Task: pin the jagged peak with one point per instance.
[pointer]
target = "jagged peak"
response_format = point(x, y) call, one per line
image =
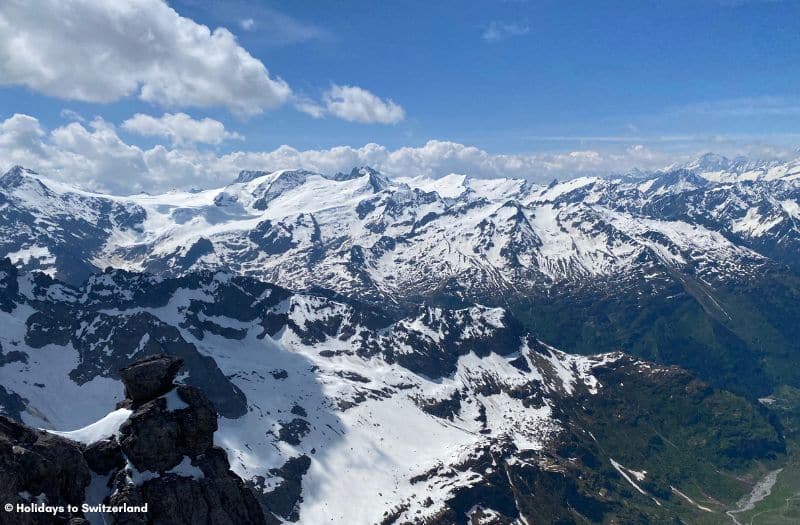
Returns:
point(294, 174)
point(249, 175)
point(678, 176)
point(18, 170)
point(377, 180)
point(355, 173)
point(16, 175)
point(283, 176)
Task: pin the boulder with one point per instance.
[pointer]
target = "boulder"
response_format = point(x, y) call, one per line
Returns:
point(156, 438)
point(197, 422)
point(169, 440)
point(104, 456)
point(150, 377)
point(150, 436)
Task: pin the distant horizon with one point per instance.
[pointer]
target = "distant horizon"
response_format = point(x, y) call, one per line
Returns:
point(753, 163)
point(187, 91)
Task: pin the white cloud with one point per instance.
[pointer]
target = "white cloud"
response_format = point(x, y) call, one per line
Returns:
point(356, 104)
point(101, 51)
point(95, 158)
point(268, 25)
point(353, 104)
point(309, 107)
point(69, 114)
point(500, 31)
point(279, 28)
point(180, 128)
point(21, 139)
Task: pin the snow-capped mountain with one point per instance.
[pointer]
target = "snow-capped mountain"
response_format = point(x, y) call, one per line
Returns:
point(332, 410)
point(712, 246)
point(364, 235)
point(384, 350)
point(718, 168)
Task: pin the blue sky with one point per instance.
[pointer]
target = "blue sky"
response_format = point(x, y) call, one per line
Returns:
point(508, 77)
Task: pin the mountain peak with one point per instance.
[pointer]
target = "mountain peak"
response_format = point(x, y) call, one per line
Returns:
point(15, 175)
point(377, 180)
point(709, 162)
point(678, 180)
point(249, 175)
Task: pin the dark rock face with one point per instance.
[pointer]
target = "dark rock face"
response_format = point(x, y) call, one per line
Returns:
point(169, 440)
point(12, 403)
point(126, 493)
point(219, 497)
point(285, 499)
point(294, 431)
point(149, 438)
point(104, 456)
point(165, 458)
point(156, 438)
point(150, 377)
point(36, 466)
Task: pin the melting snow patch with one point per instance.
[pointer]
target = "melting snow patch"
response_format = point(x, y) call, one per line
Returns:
point(626, 473)
point(690, 500)
point(174, 401)
point(99, 430)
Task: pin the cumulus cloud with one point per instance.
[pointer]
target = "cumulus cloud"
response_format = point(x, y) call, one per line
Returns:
point(356, 104)
point(96, 158)
point(69, 114)
point(180, 128)
point(21, 139)
point(496, 31)
point(309, 107)
point(100, 51)
point(353, 104)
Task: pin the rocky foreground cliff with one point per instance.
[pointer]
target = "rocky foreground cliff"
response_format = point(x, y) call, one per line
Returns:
point(153, 460)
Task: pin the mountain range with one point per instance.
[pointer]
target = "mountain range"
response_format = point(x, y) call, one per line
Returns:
point(416, 350)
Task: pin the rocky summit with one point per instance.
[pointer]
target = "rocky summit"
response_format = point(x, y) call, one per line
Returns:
point(150, 377)
point(154, 462)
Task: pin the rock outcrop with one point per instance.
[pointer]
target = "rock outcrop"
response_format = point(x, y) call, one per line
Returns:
point(162, 459)
point(150, 377)
point(38, 468)
point(172, 464)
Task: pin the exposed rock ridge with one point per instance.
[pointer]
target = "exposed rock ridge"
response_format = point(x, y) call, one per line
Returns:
point(162, 459)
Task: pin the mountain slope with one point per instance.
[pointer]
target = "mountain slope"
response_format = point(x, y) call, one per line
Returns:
point(329, 408)
point(696, 266)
